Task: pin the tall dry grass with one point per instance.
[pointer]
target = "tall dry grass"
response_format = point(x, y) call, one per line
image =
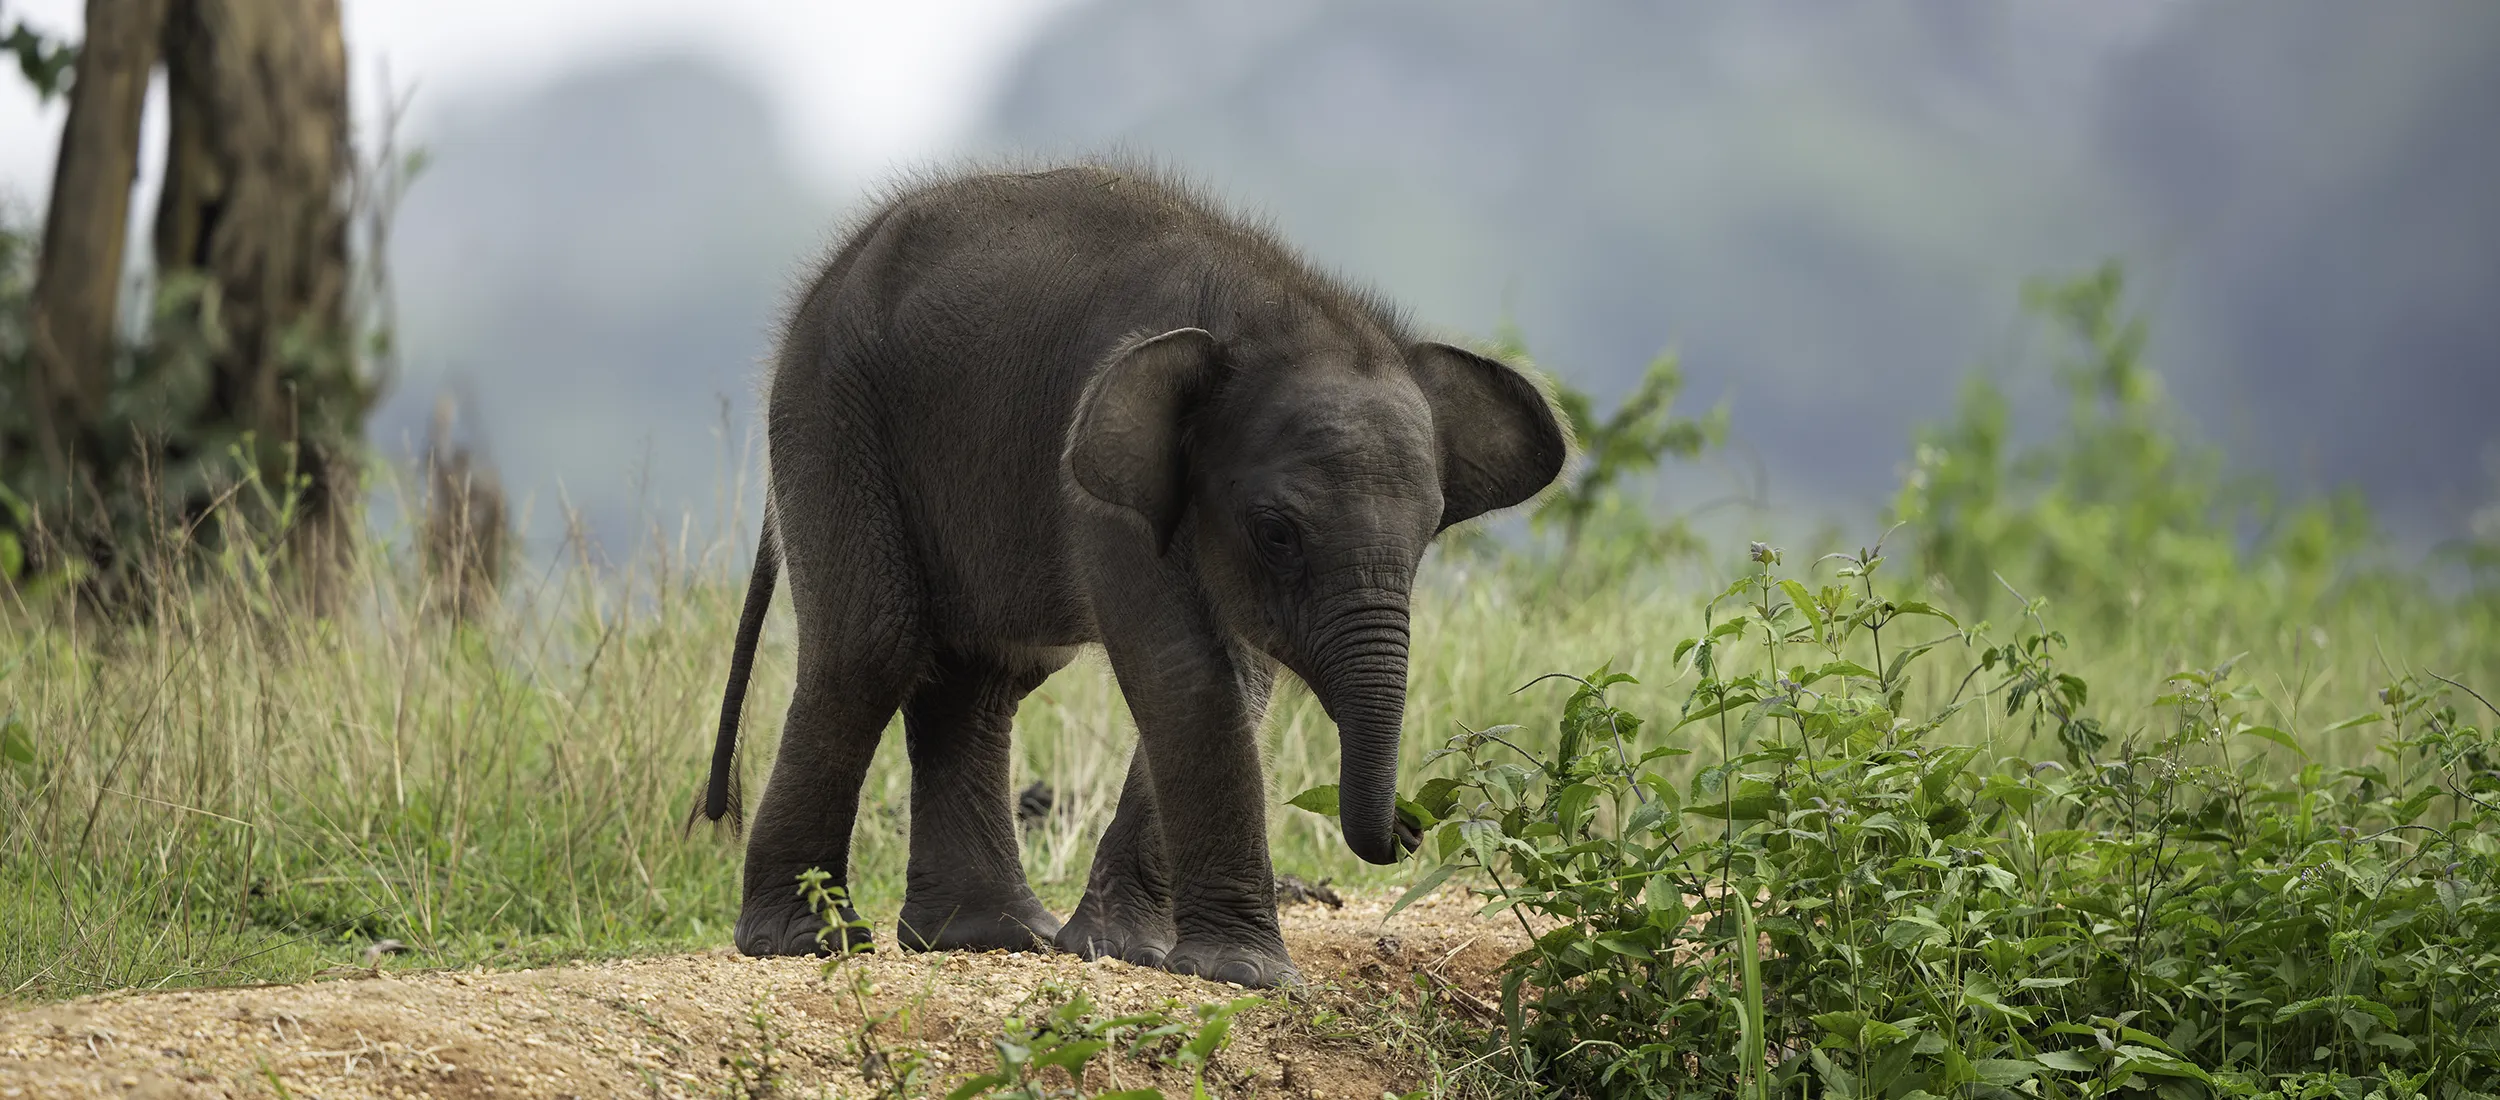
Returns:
point(230, 789)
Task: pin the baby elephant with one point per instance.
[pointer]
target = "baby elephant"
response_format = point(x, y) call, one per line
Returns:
point(1017, 414)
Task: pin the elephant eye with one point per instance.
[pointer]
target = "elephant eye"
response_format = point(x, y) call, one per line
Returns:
point(1277, 540)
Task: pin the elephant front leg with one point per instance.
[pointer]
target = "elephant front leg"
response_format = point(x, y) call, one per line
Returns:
point(1197, 717)
point(1127, 911)
point(1197, 698)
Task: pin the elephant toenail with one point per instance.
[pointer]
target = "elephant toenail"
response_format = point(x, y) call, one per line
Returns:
point(1238, 972)
point(1143, 956)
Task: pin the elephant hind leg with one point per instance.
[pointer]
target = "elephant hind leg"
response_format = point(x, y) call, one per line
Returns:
point(862, 644)
point(966, 887)
point(810, 806)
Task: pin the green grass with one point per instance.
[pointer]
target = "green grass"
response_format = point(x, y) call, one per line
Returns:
point(238, 792)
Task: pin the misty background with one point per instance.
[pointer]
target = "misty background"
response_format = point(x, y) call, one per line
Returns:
point(1827, 210)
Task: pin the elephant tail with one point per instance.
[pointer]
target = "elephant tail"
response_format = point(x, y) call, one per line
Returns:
point(721, 797)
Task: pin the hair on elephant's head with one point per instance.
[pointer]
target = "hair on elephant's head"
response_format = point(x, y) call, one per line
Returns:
point(1308, 486)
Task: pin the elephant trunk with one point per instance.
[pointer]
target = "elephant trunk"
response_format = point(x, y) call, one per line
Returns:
point(1362, 683)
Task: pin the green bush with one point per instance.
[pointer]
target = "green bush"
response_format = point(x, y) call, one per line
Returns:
point(1841, 906)
point(2118, 511)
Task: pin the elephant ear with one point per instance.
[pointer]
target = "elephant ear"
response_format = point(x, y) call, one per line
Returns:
point(1126, 448)
point(1500, 440)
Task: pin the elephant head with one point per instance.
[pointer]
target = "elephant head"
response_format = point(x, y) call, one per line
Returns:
point(1302, 480)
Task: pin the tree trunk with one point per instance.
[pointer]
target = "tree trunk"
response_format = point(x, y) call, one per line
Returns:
point(78, 275)
point(257, 178)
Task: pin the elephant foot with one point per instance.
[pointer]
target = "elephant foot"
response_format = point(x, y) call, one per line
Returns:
point(1257, 968)
point(790, 929)
point(1091, 935)
point(1022, 925)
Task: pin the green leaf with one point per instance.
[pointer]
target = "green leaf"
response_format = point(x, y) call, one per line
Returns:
point(1915, 607)
point(975, 1086)
point(2066, 1060)
point(1858, 1029)
point(1987, 999)
point(1803, 601)
point(16, 745)
point(1731, 701)
point(1843, 667)
point(1431, 881)
point(1752, 800)
point(1845, 1025)
point(1647, 816)
point(2384, 1015)
point(2004, 1072)
point(1416, 815)
point(1072, 1056)
point(1906, 933)
point(1483, 839)
point(1837, 1081)
point(1208, 1040)
point(2275, 735)
point(1626, 946)
point(1753, 1035)
point(2148, 1060)
point(1321, 800)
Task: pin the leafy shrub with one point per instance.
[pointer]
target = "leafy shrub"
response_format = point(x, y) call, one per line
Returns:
point(1641, 432)
point(1839, 906)
point(2119, 510)
point(1605, 530)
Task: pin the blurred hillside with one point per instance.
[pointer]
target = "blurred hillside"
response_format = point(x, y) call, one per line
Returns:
point(1829, 209)
point(594, 271)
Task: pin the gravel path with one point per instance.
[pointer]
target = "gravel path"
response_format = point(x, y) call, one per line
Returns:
point(688, 1025)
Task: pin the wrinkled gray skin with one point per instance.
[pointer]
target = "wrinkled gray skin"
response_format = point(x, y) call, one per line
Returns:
point(1018, 414)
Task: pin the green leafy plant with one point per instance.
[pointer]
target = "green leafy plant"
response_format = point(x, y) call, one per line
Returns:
point(1840, 904)
point(1642, 432)
point(1057, 1028)
point(1054, 1028)
point(1604, 527)
point(755, 1068)
point(2118, 514)
point(889, 1070)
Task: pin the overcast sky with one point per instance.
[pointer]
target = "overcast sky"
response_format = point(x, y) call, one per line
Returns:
point(857, 84)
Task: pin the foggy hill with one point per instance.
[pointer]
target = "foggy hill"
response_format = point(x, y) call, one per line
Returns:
point(596, 267)
point(1830, 209)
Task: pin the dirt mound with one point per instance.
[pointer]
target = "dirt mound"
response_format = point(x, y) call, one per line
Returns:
point(701, 1025)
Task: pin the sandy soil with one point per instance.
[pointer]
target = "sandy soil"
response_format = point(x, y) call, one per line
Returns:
point(674, 1026)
